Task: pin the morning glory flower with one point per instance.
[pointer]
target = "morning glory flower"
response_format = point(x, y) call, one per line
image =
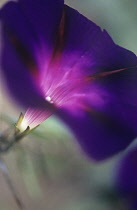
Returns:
point(56, 61)
point(126, 182)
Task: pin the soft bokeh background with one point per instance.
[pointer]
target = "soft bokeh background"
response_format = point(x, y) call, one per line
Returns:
point(47, 169)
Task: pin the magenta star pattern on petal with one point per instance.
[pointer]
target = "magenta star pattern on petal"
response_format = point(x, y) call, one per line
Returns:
point(55, 60)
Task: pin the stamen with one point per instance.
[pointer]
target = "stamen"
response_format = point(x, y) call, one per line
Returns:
point(48, 98)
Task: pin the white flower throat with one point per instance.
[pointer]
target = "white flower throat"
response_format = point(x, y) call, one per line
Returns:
point(48, 98)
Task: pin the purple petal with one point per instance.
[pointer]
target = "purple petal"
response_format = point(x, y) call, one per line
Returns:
point(126, 182)
point(44, 17)
point(21, 37)
point(15, 25)
point(133, 204)
point(106, 122)
point(19, 82)
point(127, 174)
point(99, 135)
point(74, 56)
point(88, 49)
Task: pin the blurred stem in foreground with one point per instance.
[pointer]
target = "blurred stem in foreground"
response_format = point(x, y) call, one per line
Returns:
point(8, 180)
point(11, 137)
point(8, 139)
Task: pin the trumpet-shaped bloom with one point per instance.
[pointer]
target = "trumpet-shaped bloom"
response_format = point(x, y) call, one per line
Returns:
point(55, 60)
point(127, 178)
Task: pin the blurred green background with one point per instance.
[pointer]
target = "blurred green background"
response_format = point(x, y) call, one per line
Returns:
point(47, 169)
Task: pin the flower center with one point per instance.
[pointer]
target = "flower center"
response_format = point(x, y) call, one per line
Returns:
point(48, 98)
